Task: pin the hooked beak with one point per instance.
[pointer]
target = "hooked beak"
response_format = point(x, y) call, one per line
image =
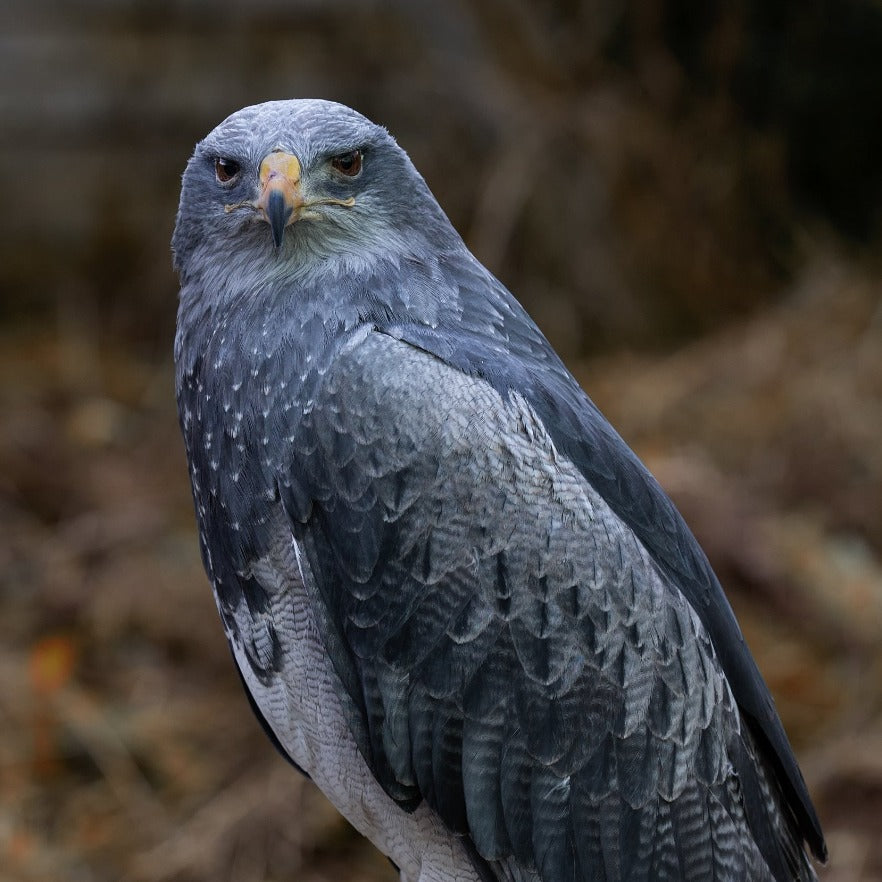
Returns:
point(281, 198)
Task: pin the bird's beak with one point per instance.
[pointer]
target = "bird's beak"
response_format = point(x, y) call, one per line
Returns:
point(281, 198)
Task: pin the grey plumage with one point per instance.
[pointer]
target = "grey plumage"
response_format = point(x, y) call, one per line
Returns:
point(457, 598)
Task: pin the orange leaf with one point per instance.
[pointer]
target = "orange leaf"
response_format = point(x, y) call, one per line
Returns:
point(51, 663)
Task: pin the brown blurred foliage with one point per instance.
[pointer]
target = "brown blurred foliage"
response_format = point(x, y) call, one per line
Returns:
point(685, 195)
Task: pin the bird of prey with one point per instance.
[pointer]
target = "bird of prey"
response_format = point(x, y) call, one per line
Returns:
point(456, 598)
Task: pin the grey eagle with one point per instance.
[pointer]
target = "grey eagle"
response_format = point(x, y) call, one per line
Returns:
point(456, 598)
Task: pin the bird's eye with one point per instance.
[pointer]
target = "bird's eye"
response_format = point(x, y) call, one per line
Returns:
point(225, 169)
point(348, 164)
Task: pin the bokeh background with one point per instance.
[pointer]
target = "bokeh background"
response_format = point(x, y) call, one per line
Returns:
point(684, 193)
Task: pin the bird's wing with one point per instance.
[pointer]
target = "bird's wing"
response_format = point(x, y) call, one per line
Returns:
point(511, 650)
point(494, 338)
point(586, 438)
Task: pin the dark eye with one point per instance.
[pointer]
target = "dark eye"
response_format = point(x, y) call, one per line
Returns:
point(225, 169)
point(348, 164)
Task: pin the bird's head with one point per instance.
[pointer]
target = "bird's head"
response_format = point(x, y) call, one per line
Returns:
point(291, 186)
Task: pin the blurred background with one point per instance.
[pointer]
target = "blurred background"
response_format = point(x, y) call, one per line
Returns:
point(686, 196)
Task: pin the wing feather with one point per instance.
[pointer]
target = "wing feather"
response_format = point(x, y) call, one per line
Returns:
point(515, 655)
